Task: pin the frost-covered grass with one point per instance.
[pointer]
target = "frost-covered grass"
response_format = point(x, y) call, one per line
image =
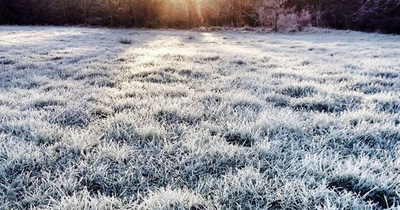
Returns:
point(165, 119)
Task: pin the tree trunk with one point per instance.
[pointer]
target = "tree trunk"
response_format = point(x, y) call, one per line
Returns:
point(1, 12)
point(189, 5)
point(276, 21)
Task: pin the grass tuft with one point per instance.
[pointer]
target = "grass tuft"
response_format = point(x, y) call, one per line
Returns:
point(181, 122)
point(125, 41)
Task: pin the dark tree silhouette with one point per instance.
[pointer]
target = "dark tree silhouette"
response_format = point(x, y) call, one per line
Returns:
point(368, 15)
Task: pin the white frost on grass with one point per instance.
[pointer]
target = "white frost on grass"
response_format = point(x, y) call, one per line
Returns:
point(166, 119)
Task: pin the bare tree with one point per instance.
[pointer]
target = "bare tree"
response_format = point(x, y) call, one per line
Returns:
point(69, 11)
point(2, 9)
point(85, 7)
point(269, 11)
point(192, 11)
point(111, 9)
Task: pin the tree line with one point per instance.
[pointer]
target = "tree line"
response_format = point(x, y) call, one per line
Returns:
point(367, 15)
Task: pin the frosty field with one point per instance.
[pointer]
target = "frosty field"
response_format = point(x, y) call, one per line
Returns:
point(165, 119)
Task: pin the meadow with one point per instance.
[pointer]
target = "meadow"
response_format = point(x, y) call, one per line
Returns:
point(94, 118)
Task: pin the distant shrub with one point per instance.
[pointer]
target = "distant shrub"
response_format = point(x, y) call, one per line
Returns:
point(125, 41)
point(288, 23)
point(276, 15)
point(212, 58)
point(239, 62)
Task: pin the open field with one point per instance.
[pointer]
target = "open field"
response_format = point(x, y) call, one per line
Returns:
point(165, 119)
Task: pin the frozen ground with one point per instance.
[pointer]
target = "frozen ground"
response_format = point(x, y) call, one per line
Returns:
point(193, 120)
